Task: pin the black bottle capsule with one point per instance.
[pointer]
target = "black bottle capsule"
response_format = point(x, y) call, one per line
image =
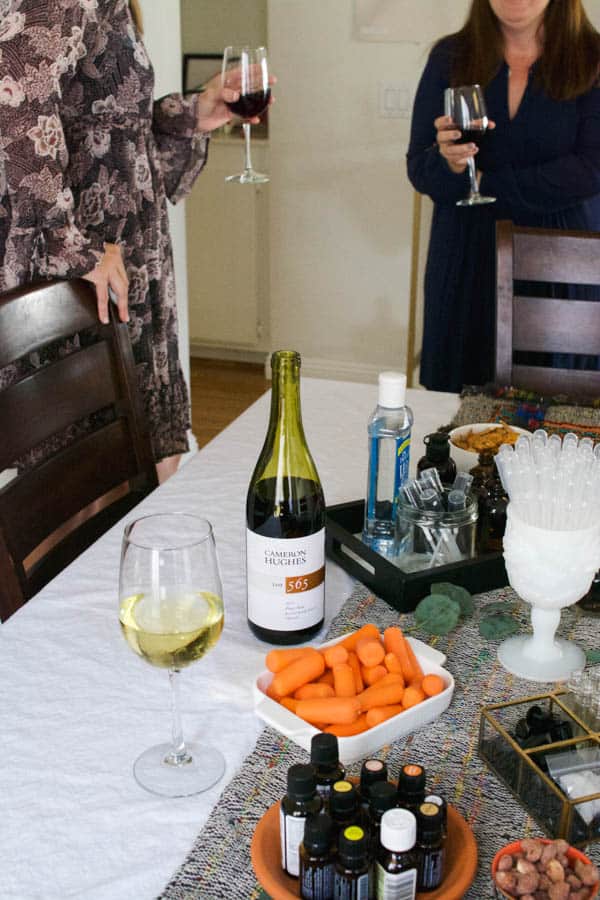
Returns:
point(316, 859)
point(430, 847)
point(439, 801)
point(352, 876)
point(382, 796)
point(324, 757)
point(372, 771)
point(344, 808)
point(437, 456)
point(300, 801)
point(411, 786)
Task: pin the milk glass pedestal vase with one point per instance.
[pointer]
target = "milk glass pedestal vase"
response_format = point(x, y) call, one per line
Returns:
point(549, 569)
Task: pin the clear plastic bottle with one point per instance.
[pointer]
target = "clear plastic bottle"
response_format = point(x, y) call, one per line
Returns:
point(389, 431)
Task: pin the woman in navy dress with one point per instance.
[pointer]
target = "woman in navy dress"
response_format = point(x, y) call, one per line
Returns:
point(539, 63)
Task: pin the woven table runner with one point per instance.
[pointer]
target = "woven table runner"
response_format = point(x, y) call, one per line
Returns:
point(527, 410)
point(218, 866)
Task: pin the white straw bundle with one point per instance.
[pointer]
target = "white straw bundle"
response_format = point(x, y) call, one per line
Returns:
point(553, 484)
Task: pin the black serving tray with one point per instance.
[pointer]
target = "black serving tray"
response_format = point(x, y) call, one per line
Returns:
point(402, 590)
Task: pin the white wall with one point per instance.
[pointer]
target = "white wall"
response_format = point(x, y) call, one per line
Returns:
point(162, 36)
point(210, 25)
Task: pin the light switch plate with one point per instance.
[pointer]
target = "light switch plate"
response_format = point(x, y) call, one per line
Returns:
point(394, 100)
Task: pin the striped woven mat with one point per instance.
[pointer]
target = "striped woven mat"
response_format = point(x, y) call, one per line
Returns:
point(218, 865)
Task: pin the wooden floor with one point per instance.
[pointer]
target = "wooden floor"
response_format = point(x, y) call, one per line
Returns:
point(220, 392)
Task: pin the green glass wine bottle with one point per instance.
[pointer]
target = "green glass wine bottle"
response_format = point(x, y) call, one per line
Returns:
point(285, 517)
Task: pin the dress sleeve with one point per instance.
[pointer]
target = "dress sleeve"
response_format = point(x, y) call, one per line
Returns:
point(558, 183)
point(182, 149)
point(37, 61)
point(427, 170)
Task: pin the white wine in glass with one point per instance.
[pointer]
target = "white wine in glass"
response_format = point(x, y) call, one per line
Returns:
point(171, 614)
point(466, 107)
point(245, 69)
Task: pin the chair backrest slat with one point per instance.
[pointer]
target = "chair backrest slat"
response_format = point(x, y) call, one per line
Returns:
point(547, 325)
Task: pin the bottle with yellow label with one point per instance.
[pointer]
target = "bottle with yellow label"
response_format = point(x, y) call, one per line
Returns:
point(285, 517)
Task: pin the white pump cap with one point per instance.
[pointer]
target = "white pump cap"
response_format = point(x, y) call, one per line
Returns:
point(392, 389)
point(398, 830)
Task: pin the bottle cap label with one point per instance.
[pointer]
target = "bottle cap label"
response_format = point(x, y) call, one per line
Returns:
point(412, 770)
point(342, 787)
point(354, 833)
point(286, 581)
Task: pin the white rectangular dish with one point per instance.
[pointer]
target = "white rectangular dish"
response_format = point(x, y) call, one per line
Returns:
point(368, 742)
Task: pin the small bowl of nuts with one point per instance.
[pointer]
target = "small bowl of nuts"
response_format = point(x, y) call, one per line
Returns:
point(540, 869)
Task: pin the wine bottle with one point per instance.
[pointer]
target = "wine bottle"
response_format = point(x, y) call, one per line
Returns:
point(285, 516)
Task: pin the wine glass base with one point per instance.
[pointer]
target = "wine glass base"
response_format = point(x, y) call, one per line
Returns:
point(517, 656)
point(154, 774)
point(248, 176)
point(475, 200)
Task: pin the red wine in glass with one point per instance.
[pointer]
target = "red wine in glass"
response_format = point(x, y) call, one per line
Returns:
point(466, 107)
point(245, 70)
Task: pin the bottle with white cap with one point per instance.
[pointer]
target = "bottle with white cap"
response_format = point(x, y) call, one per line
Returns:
point(396, 865)
point(389, 452)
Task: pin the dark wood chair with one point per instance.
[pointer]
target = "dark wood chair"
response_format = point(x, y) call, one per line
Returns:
point(110, 455)
point(537, 324)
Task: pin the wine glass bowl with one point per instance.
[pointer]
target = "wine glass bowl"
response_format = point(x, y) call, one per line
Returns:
point(171, 614)
point(245, 70)
point(466, 107)
point(549, 569)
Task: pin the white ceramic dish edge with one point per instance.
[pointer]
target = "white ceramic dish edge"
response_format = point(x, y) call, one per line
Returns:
point(366, 744)
point(466, 459)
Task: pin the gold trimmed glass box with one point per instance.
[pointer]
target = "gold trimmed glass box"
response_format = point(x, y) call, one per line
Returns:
point(524, 771)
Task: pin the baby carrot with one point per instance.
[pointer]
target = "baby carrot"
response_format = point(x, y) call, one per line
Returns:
point(326, 678)
point(372, 674)
point(395, 642)
point(335, 710)
point(313, 690)
point(348, 730)
point(370, 653)
point(380, 713)
point(271, 693)
point(276, 660)
point(391, 678)
point(367, 631)
point(335, 655)
point(412, 695)
point(415, 662)
point(383, 695)
point(355, 666)
point(392, 663)
point(289, 703)
point(298, 672)
point(432, 684)
point(343, 681)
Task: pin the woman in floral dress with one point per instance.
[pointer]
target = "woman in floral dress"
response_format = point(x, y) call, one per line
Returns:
point(87, 161)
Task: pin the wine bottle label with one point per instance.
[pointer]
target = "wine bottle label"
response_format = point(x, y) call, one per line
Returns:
point(286, 581)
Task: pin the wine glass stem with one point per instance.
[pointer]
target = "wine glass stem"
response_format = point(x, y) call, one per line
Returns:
point(248, 163)
point(473, 175)
point(179, 755)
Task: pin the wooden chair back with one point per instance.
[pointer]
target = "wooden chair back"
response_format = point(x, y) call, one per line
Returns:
point(546, 324)
point(110, 451)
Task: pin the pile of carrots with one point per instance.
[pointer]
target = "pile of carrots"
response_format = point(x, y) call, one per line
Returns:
point(353, 685)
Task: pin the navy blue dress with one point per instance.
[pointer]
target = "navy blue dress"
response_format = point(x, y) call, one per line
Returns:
point(543, 166)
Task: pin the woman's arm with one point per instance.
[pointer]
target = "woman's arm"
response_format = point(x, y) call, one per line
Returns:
point(559, 183)
point(427, 170)
point(182, 147)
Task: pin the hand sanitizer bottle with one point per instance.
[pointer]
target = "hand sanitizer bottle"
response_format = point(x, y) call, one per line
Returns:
point(389, 451)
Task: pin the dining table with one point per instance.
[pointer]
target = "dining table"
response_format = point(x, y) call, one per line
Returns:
point(77, 706)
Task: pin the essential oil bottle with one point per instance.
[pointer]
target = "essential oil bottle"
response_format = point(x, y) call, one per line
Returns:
point(411, 786)
point(382, 796)
point(324, 757)
point(316, 859)
point(372, 771)
point(396, 867)
point(430, 847)
point(439, 801)
point(344, 808)
point(300, 801)
point(352, 878)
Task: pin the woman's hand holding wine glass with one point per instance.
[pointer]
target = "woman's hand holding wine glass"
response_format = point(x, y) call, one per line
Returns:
point(245, 74)
point(460, 133)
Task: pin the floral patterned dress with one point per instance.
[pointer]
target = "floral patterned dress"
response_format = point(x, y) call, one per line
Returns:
point(86, 156)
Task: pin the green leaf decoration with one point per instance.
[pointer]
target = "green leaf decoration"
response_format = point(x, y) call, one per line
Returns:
point(437, 614)
point(593, 657)
point(497, 626)
point(458, 593)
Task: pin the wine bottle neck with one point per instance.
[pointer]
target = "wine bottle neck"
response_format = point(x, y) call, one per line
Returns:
point(286, 415)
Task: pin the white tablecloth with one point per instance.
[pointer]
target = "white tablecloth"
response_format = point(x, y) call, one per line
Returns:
point(77, 706)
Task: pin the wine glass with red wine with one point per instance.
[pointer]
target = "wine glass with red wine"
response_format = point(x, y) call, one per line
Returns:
point(466, 107)
point(245, 70)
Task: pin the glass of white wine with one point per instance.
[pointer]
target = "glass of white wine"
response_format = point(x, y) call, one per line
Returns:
point(171, 614)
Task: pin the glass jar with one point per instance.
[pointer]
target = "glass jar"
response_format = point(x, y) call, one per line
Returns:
point(429, 538)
